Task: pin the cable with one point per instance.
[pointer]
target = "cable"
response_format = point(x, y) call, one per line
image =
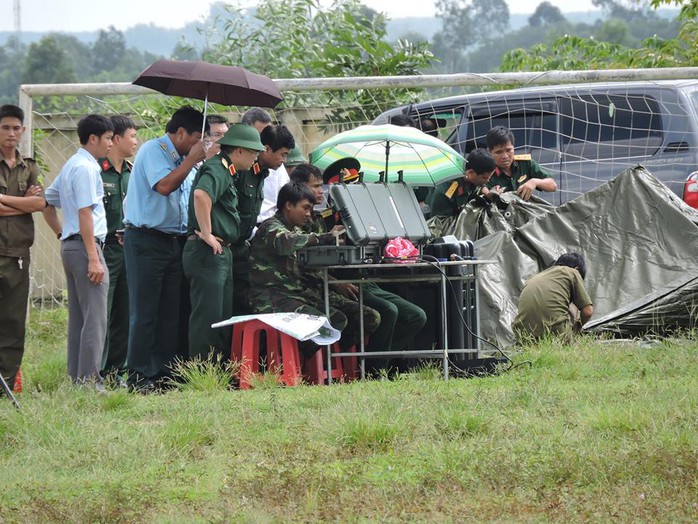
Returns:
point(434, 262)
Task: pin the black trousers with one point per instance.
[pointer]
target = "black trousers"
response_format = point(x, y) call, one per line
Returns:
point(154, 275)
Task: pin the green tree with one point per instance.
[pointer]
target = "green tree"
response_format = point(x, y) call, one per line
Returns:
point(614, 31)
point(465, 25)
point(545, 14)
point(48, 63)
point(573, 52)
point(305, 39)
point(108, 50)
point(11, 61)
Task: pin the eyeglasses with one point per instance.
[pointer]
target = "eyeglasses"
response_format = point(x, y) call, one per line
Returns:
point(216, 136)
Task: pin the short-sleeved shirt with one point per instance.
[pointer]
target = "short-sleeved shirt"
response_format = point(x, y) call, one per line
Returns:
point(115, 185)
point(216, 178)
point(17, 232)
point(185, 194)
point(250, 190)
point(523, 169)
point(146, 207)
point(77, 186)
point(450, 198)
point(545, 300)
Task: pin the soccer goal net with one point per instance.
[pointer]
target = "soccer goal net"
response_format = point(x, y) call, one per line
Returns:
point(584, 127)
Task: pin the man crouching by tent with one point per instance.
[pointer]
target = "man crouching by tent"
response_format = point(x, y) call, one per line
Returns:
point(554, 301)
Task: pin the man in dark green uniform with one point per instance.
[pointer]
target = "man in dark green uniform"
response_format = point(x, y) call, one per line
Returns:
point(449, 199)
point(279, 284)
point(213, 226)
point(20, 196)
point(277, 141)
point(554, 301)
point(115, 174)
point(518, 173)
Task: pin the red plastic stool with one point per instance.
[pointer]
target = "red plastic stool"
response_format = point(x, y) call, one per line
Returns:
point(343, 368)
point(245, 349)
point(290, 361)
point(316, 366)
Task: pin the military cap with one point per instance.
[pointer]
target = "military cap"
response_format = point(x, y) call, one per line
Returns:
point(241, 135)
point(295, 158)
point(331, 174)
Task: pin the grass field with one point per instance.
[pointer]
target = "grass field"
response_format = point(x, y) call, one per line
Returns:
point(596, 431)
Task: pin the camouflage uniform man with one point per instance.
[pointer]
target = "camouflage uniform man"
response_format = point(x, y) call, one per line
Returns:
point(400, 319)
point(279, 284)
point(214, 224)
point(115, 174)
point(449, 199)
point(277, 141)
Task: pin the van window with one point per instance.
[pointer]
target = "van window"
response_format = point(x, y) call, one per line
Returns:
point(602, 126)
point(533, 123)
point(447, 122)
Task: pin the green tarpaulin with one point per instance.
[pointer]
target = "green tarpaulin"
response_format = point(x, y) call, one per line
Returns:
point(640, 242)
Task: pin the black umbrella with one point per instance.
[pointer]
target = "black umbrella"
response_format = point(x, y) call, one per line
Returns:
point(227, 85)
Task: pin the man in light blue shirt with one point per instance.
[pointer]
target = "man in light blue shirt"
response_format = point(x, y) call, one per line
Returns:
point(78, 191)
point(155, 226)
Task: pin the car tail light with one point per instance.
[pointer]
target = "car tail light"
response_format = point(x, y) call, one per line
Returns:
point(690, 190)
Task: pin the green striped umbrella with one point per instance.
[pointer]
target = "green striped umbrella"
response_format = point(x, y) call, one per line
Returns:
point(423, 159)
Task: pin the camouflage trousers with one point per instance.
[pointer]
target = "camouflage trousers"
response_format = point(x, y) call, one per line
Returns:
point(344, 312)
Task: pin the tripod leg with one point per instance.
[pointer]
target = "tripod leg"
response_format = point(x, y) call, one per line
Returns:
point(8, 391)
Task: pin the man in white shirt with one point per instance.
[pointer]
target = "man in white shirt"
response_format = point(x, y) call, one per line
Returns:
point(79, 191)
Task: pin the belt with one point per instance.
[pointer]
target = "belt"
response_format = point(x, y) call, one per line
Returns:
point(156, 232)
point(78, 236)
point(197, 237)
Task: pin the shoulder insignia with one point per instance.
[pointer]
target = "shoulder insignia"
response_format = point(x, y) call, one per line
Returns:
point(522, 178)
point(451, 189)
point(225, 163)
point(255, 168)
point(231, 168)
point(326, 213)
point(105, 164)
point(163, 146)
point(526, 156)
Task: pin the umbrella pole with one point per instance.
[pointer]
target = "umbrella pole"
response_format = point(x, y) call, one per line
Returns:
point(387, 154)
point(203, 126)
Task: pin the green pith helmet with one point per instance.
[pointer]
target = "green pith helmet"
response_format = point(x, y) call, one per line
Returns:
point(241, 135)
point(295, 158)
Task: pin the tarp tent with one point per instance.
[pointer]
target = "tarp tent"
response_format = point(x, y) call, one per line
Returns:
point(639, 239)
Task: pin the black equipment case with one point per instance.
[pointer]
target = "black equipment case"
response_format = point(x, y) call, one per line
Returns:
point(376, 212)
point(372, 214)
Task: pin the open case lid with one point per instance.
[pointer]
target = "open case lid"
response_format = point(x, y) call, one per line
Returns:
point(373, 213)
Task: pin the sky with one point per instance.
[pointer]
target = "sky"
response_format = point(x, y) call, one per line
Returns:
point(90, 15)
